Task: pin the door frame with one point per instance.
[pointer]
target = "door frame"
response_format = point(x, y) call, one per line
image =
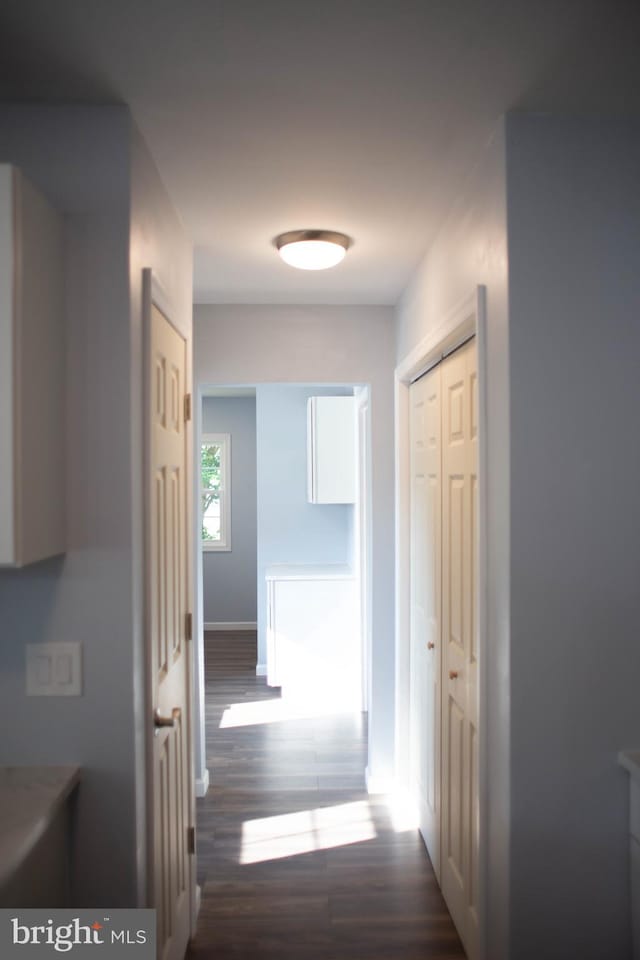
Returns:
point(153, 294)
point(466, 319)
point(362, 535)
point(362, 531)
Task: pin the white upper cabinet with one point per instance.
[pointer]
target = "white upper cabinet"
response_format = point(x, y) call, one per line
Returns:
point(32, 362)
point(331, 450)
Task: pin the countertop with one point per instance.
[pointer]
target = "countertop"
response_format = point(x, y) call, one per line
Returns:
point(30, 798)
point(309, 571)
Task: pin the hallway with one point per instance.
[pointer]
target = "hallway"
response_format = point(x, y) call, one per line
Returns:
point(294, 858)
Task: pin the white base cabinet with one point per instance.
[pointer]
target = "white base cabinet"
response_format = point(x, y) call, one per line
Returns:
point(313, 637)
point(32, 374)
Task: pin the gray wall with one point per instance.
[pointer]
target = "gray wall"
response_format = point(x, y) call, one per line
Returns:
point(471, 249)
point(574, 289)
point(290, 529)
point(229, 577)
point(556, 202)
point(256, 344)
point(82, 158)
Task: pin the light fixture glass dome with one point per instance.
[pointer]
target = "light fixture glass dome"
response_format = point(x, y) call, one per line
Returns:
point(312, 249)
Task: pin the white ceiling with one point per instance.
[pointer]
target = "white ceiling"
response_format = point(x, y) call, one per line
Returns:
point(355, 115)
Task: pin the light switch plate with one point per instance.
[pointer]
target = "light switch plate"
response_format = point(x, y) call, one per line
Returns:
point(54, 670)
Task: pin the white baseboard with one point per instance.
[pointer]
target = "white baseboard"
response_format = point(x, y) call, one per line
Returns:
point(231, 626)
point(202, 784)
point(377, 784)
point(261, 670)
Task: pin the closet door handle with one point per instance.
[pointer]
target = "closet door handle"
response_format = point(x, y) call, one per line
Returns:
point(430, 645)
point(453, 674)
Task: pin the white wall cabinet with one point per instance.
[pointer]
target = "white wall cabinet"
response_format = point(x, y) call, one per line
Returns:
point(32, 366)
point(331, 450)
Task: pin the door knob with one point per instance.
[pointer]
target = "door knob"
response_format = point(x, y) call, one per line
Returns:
point(430, 645)
point(160, 721)
point(453, 674)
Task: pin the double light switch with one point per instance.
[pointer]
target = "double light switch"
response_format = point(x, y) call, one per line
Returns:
point(54, 670)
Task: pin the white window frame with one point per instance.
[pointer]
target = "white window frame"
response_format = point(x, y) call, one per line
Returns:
point(223, 440)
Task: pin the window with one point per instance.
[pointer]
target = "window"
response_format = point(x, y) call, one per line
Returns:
point(215, 491)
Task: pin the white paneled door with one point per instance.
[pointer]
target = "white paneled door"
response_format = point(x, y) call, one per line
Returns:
point(425, 607)
point(459, 852)
point(170, 806)
point(444, 628)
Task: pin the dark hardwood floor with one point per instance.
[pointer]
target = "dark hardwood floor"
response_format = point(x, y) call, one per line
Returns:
point(295, 860)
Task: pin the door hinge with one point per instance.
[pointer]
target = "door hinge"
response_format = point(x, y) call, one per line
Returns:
point(191, 839)
point(188, 626)
point(187, 406)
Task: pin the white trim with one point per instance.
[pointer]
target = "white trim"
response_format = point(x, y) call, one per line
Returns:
point(362, 535)
point(202, 784)
point(230, 625)
point(160, 297)
point(467, 318)
point(456, 326)
point(7, 353)
point(261, 670)
point(223, 440)
point(402, 579)
point(376, 784)
point(199, 710)
point(483, 623)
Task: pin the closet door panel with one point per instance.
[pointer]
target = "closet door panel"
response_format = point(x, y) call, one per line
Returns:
point(459, 642)
point(426, 511)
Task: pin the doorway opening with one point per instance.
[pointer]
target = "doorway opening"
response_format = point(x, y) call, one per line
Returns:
point(283, 529)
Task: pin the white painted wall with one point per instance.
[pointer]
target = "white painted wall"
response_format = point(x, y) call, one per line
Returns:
point(574, 293)
point(81, 158)
point(471, 249)
point(237, 344)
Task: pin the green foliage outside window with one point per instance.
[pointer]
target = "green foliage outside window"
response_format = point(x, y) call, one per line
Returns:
point(210, 472)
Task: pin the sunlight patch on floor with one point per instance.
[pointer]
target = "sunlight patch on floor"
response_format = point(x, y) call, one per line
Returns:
point(257, 712)
point(403, 812)
point(292, 834)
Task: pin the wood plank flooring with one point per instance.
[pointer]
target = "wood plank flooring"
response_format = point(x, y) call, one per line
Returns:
point(295, 860)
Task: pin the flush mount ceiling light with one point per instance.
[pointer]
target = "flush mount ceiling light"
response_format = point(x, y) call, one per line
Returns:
point(312, 249)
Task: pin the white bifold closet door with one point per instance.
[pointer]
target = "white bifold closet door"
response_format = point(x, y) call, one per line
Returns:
point(426, 508)
point(444, 678)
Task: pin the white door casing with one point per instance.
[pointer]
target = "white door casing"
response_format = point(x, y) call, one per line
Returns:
point(464, 320)
point(459, 800)
point(170, 806)
point(425, 505)
point(362, 537)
